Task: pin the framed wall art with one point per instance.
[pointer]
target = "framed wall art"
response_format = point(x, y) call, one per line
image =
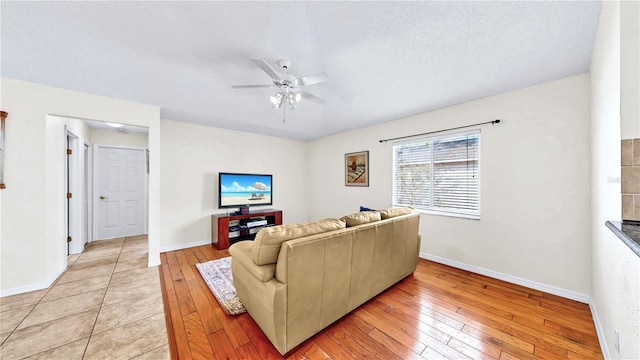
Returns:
point(356, 169)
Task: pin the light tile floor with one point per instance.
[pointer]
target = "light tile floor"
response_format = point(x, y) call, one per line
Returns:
point(106, 305)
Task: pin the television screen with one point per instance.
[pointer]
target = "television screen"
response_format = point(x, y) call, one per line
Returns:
point(236, 190)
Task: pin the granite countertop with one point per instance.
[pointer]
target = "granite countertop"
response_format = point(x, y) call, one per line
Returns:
point(628, 233)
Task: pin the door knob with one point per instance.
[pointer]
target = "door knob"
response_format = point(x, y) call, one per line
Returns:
point(102, 197)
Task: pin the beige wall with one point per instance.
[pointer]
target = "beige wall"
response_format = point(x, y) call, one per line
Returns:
point(32, 254)
point(630, 69)
point(615, 269)
point(534, 185)
point(192, 157)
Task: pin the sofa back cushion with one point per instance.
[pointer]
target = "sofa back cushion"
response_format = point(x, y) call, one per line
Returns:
point(393, 212)
point(266, 245)
point(359, 218)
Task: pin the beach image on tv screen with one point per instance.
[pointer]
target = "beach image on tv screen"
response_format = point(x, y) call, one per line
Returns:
point(242, 189)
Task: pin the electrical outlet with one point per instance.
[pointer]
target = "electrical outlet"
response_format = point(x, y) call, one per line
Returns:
point(613, 180)
point(616, 339)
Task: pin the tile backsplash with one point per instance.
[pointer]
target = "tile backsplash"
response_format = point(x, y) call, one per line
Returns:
point(630, 179)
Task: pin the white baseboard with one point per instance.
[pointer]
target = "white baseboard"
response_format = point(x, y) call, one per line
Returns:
point(175, 247)
point(510, 278)
point(600, 331)
point(33, 287)
point(154, 260)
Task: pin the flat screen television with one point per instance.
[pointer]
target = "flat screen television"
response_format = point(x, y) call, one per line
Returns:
point(240, 190)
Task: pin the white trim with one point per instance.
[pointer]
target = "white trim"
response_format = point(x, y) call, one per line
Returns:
point(88, 176)
point(65, 247)
point(446, 213)
point(33, 287)
point(119, 237)
point(185, 246)
point(511, 279)
point(119, 146)
point(75, 179)
point(600, 331)
point(153, 262)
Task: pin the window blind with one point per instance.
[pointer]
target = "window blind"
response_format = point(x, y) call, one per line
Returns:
point(439, 174)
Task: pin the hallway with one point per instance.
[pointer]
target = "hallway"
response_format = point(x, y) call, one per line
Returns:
point(107, 304)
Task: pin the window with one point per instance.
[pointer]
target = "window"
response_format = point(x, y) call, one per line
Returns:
point(440, 175)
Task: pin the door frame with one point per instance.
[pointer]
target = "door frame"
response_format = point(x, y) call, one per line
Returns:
point(74, 174)
point(95, 204)
point(86, 196)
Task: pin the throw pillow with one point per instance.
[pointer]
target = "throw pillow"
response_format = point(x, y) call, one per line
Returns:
point(360, 218)
point(393, 212)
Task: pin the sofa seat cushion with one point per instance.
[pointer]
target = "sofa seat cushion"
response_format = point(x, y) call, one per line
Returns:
point(359, 218)
point(241, 252)
point(393, 212)
point(266, 245)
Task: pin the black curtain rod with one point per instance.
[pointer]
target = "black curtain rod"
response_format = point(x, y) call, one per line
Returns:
point(497, 121)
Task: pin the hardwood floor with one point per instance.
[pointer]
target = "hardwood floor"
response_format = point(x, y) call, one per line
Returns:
point(439, 312)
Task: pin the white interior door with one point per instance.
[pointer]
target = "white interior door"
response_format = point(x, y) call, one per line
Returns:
point(120, 192)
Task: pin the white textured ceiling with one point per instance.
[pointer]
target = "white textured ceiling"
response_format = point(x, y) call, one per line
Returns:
point(386, 60)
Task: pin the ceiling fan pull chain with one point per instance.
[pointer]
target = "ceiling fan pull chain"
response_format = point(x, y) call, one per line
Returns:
point(283, 114)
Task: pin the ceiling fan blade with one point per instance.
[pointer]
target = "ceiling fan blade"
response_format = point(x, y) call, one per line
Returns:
point(313, 79)
point(250, 86)
point(315, 99)
point(266, 68)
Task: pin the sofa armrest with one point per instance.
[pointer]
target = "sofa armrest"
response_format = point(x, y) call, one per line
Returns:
point(241, 252)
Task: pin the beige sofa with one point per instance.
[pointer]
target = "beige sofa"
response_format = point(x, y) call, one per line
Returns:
point(294, 280)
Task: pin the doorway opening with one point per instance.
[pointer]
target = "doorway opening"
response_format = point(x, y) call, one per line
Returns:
point(77, 212)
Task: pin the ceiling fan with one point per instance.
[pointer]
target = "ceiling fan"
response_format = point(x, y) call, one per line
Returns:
point(289, 87)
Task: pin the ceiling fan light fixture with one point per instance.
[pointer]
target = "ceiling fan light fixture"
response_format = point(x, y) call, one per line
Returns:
point(276, 99)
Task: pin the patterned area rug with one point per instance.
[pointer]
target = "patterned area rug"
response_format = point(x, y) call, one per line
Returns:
point(217, 275)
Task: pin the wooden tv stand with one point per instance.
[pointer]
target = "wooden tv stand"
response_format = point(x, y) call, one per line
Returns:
point(220, 224)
